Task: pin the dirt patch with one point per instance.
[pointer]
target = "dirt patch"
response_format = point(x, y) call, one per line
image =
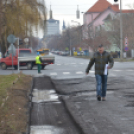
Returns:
point(14, 103)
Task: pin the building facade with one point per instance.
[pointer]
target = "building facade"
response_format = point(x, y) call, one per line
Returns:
point(52, 27)
point(96, 15)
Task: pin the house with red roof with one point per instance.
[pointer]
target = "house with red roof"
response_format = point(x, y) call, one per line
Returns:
point(96, 14)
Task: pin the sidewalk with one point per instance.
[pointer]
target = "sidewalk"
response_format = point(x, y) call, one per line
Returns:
point(114, 116)
point(78, 111)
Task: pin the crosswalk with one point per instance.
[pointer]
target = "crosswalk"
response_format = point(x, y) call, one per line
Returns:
point(66, 64)
point(67, 73)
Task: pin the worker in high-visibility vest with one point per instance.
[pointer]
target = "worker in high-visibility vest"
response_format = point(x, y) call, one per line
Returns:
point(38, 62)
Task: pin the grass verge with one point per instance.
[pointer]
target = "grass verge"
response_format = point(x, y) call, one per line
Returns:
point(13, 103)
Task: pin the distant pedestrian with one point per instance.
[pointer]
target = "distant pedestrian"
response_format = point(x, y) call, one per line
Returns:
point(38, 62)
point(119, 54)
point(103, 61)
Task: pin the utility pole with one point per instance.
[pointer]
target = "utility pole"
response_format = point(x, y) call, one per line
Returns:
point(121, 30)
point(70, 40)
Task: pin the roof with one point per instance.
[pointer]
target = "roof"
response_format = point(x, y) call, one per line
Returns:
point(99, 6)
point(116, 9)
point(102, 5)
point(53, 20)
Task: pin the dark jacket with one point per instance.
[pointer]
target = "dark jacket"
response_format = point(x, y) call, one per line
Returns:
point(100, 62)
point(41, 60)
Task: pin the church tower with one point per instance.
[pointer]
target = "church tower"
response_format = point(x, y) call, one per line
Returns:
point(51, 13)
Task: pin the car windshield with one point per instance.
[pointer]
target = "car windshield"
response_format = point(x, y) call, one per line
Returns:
point(23, 53)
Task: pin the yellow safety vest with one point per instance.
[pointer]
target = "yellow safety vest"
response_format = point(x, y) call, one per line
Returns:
point(38, 60)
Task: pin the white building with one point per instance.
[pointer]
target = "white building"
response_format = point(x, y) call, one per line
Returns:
point(52, 27)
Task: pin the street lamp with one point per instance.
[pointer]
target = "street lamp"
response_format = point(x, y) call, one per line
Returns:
point(121, 29)
point(83, 16)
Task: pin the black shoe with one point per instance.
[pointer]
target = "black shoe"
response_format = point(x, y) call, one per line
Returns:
point(99, 98)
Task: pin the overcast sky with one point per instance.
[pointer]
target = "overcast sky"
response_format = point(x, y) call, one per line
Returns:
point(66, 10)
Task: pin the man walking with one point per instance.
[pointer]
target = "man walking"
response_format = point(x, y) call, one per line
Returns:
point(103, 61)
point(38, 62)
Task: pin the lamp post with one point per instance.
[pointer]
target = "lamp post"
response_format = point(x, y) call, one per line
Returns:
point(18, 53)
point(121, 29)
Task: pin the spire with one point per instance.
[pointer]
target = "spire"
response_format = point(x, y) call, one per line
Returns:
point(63, 27)
point(78, 12)
point(51, 13)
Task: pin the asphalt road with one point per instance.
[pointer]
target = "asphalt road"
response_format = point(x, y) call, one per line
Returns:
point(75, 67)
point(65, 102)
point(69, 106)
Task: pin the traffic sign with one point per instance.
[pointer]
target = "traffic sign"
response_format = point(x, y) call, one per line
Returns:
point(11, 39)
point(126, 41)
point(26, 40)
point(126, 48)
point(12, 50)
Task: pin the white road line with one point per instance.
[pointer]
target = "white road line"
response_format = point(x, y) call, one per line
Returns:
point(53, 73)
point(81, 63)
point(65, 73)
point(117, 70)
point(91, 71)
point(80, 72)
point(58, 64)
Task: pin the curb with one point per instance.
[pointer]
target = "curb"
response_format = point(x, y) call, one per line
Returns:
point(73, 119)
point(29, 95)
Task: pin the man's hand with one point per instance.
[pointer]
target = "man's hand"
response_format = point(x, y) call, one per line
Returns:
point(108, 67)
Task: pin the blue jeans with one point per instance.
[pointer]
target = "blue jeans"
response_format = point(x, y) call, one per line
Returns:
point(101, 85)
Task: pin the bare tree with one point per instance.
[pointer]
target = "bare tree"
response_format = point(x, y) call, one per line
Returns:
point(17, 17)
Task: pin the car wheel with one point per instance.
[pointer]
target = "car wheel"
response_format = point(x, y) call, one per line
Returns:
point(3, 66)
point(29, 66)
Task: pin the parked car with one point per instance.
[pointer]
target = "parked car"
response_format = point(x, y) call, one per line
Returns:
point(80, 53)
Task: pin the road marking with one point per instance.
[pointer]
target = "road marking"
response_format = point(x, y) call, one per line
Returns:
point(81, 63)
point(58, 64)
point(53, 73)
point(73, 63)
point(65, 73)
point(91, 71)
point(80, 72)
point(118, 70)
